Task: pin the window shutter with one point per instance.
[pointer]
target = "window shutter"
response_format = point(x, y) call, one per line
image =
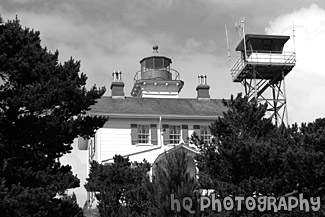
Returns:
point(154, 138)
point(197, 130)
point(166, 134)
point(134, 134)
point(185, 133)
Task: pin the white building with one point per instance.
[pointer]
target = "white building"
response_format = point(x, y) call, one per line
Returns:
point(153, 119)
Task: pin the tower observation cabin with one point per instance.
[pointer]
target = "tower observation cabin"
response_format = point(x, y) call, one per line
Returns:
point(156, 78)
point(261, 69)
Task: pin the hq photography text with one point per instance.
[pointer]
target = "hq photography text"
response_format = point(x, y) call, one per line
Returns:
point(261, 203)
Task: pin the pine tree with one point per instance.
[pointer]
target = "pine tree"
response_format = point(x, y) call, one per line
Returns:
point(251, 156)
point(172, 180)
point(119, 187)
point(43, 106)
point(124, 189)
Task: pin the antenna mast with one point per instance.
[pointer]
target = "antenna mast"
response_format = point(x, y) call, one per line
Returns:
point(293, 36)
point(242, 20)
point(228, 50)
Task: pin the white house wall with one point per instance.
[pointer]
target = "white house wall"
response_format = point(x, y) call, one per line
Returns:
point(115, 138)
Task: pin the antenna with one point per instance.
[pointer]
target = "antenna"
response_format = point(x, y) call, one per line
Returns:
point(243, 28)
point(228, 50)
point(293, 36)
point(240, 28)
point(237, 28)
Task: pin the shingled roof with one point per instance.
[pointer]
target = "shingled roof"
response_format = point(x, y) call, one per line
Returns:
point(146, 107)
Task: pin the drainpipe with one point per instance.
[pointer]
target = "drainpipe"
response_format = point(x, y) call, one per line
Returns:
point(160, 133)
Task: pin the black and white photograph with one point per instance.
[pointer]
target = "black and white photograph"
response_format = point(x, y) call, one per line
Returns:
point(158, 108)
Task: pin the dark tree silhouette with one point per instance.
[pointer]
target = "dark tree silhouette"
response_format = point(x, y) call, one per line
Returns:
point(119, 187)
point(251, 156)
point(172, 181)
point(43, 106)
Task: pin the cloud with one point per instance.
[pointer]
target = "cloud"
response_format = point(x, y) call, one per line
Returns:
point(163, 4)
point(305, 83)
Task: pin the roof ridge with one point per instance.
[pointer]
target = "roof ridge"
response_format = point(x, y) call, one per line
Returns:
point(145, 98)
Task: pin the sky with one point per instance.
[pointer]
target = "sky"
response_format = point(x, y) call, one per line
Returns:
point(109, 35)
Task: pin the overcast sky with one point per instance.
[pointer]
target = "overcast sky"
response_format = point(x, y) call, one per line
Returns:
point(108, 35)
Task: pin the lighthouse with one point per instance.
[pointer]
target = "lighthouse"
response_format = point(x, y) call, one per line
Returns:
point(156, 78)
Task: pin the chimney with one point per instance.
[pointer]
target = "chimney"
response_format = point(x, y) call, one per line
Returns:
point(117, 85)
point(202, 88)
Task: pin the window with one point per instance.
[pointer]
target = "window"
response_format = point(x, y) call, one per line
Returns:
point(205, 133)
point(143, 133)
point(174, 134)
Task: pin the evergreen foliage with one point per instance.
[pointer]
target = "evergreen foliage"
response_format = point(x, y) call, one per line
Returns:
point(171, 176)
point(125, 189)
point(119, 187)
point(250, 156)
point(42, 109)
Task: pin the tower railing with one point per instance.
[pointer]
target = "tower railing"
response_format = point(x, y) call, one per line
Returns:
point(259, 57)
point(175, 74)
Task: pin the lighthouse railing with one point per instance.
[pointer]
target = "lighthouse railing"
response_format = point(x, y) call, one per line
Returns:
point(174, 73)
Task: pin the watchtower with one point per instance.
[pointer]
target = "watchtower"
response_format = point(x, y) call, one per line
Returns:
point(261, 69)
